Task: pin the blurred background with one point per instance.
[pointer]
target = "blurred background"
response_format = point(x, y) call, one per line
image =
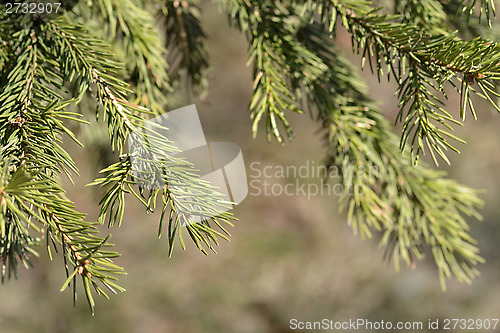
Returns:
point(289, 256)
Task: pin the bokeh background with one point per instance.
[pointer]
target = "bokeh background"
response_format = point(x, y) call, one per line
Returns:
point(289, 257)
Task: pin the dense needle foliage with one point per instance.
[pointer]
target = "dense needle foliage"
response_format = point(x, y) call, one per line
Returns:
point(127, 56)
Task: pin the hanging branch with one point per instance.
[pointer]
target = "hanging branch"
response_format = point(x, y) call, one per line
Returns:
point(411, 207)
point(419, 61)
point(123, 121)
point(186, 44)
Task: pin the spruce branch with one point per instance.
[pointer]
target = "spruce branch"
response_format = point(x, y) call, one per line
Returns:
point(399, 49)
point(16, 244)
point(43, 59)
point(133, 31)
point(466, 27)
point(186, 44)
point(273, 55)
point(413, 207)
point(124, 120)
point(486, 8)
point(272, 95)
point(427, 14)
point(31, 198)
